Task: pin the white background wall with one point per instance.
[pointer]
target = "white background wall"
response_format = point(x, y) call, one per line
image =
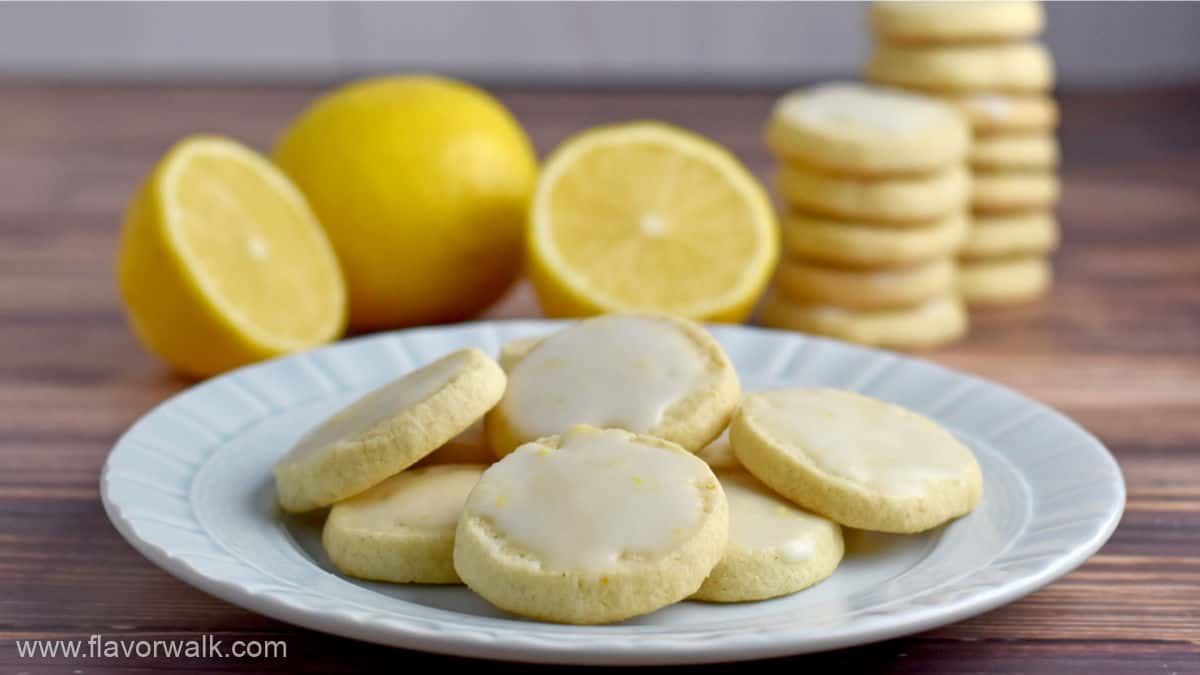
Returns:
point(586, 43)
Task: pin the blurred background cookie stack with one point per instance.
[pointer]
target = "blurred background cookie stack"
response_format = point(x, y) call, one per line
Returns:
point(979, 55)
point(875, 188)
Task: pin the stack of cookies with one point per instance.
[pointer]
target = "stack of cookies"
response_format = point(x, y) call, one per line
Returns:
point(876, 186)
point(978, 55)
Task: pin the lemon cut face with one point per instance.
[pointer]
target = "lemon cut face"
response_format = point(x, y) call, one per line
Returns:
point(222, 263)
point(648, 217)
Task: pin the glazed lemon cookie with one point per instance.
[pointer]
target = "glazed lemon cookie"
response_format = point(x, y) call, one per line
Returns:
point(1008, 67)
point(893, 199)
point(1007, 235)
point(948, 22)
point(836, 242)
point(1004, 113)
point(1014, 151)
point(388, 430)
point(993, 191)
point(402, 530)
point(862, 462)
point(514, 350)
point(1003, 280)
point(592, 527)
point(644, 373)
point(804, 282)
point(929, 324)
point(774, 547)
point(860, 129)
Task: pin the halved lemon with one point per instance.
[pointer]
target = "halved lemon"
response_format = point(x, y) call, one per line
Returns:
point(644, 216)
point(222, 262)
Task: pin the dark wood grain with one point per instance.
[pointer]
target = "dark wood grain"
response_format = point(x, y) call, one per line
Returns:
point(1116, 345)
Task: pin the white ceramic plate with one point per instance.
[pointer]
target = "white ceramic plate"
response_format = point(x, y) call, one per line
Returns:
point(189, 485)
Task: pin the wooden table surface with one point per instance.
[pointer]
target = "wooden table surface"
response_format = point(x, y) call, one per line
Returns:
point(1116, 346)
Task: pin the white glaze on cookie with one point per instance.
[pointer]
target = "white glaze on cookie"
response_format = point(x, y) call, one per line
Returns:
point(883, 447)
point(599, 497)
point(613, 372)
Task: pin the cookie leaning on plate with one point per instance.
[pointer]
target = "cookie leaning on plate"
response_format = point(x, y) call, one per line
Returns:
point(592, 527)
point(388, 430)
point(648, 374)
point(774, 547)
point(402, 530)
point(858, 129)
point(861, 462)
point(895, 199)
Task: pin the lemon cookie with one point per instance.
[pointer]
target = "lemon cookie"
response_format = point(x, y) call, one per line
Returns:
point(647, 374)
point(1003, 113)
point(388, 430)
point(929, 324)
point(1014, 151)
point(866, 130)
point(774, 547)
point(919, 197)
point(993, 191)
point(514, 350)
point(948, 22)
point(402, 530)
point(804, 282)
point(863, 245)
point(1003, 280)
point(862, 462)
point(1007, 235)
point(592, 527)
point(1009, 67)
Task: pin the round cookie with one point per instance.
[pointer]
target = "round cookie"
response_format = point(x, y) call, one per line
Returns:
point(950, 22)
point(993, 112)
point(1014, 151)
point(514, 350)
point(1001, 191)
point(388, 430)
point(592, 527)
point(859, 461)
point(648, 374)
point(836, 242)
point(930, 324)
point(802, 282)
point(402, 530)
point(1017, 67)
point(774, 547)
point(1005, 280)
point(1010, 234)
point(860, 129)
point(895, 199)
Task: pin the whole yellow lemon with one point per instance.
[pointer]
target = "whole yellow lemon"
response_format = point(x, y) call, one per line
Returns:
point(422, 184)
